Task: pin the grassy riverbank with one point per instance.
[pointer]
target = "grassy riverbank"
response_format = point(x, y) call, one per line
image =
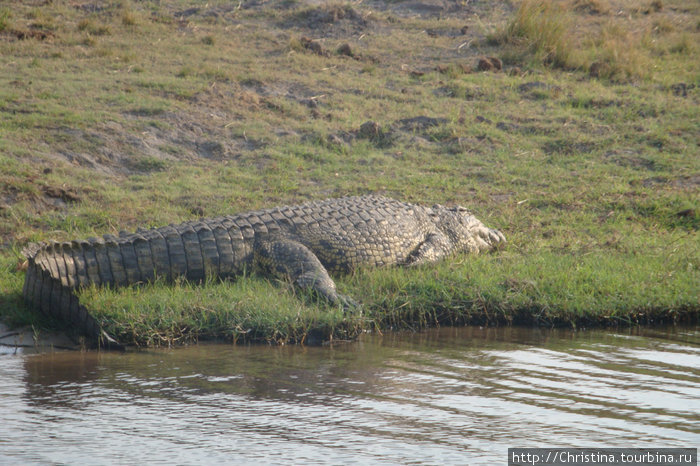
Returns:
point(591, 290)
point(582, 148)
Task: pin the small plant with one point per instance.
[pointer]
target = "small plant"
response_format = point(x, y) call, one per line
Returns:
point(295, 45)
point(656, 5)
point(89, 41)
point(215, 74)
point(147, 164)
point(128, 16)
point(662, 26)
point(93, 29)
point(208, 40)
point(369, 68)
point(5, 15)
point(104, 52)
point(594, 7)
point(682, 46)
point(185, 72)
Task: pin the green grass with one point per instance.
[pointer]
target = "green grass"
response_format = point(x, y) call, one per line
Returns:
point(244, 310)
point(591, 289)
point(586, 157)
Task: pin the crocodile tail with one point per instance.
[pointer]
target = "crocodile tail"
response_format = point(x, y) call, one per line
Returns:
point(49, 288)
point(194, 250)
point(56, 270)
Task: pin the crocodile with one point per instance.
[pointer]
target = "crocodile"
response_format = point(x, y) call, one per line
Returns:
point(302, 243)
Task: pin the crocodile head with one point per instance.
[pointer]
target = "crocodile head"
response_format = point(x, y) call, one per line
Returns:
point(466, 233)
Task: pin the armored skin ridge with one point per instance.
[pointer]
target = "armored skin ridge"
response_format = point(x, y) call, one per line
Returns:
point(300, 243)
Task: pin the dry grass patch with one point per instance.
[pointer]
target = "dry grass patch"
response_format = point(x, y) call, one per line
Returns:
point(540, 31)
point(618, 55)
point(613, 42)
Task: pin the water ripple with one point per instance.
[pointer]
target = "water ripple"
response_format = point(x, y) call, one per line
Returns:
point(450, 396)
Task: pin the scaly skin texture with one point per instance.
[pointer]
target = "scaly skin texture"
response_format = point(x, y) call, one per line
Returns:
point(300, 243)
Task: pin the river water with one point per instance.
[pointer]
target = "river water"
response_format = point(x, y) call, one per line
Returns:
point(446, 396)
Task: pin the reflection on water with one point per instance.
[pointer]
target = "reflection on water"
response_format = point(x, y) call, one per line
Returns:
point(446, 396)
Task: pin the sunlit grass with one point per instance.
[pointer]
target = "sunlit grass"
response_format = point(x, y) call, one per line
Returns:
point(584, 155)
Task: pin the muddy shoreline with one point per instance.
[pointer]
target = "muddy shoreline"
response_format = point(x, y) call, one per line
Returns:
point(28, 341)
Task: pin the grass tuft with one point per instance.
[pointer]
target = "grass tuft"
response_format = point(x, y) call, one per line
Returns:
point(91, 27)
point(683, 45)
point(540, 31)
point(5, 16)
point(618, 55)
point(656, 6)
point(129, 17)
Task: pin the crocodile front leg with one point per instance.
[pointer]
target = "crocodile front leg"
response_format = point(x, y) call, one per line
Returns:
point(296, 262)
point(435, 246)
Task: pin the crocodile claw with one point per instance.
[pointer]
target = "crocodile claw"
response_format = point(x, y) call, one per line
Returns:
point(496, 237)
point(347, 303)
point(488, 238)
